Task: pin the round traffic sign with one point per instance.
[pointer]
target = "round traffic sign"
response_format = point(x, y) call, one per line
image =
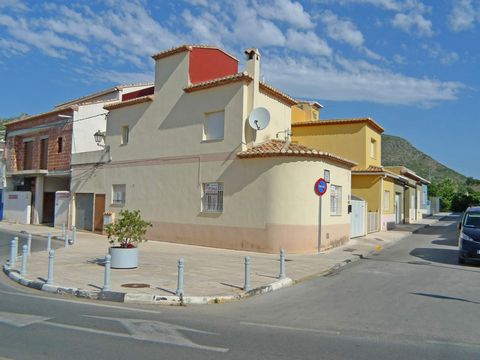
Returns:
point(320, 187)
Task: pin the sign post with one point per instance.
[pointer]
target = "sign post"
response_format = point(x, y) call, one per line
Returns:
point(320, 189)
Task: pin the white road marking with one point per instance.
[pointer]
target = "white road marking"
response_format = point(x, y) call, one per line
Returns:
point(20, 320)
point(161, 332)
point(333, 332)
point(451, 343)
point(78, 302)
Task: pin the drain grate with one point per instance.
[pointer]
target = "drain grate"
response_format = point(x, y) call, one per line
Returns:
point(135, 286)
point(419, 262)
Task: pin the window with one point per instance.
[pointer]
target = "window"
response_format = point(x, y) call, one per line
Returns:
point(386, 200)
point(59, 144)
point(43, 153)
point(213, 128)
point(373, 148)
point(125, 133)
point(212, 200)
point(28, 155)
point(335, 200)
point(118, 194)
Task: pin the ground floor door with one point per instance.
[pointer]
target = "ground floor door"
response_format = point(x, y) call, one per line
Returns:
point(84, 211)
point(357, 218)
point(99, 210)
point(398, 217)
point(48, 207)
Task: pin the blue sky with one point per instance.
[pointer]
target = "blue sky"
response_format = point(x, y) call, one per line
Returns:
point(411, 65)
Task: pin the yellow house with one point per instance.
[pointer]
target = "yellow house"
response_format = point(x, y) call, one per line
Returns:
point(360, 140)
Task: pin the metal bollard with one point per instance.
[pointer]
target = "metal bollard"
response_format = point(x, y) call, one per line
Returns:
point(247, 286)
point(29, 244)
point(181, 266)
point(13, 256)
point(106, 277)
point(51, 257)
point(23, 272)
point(16, 246)
point(49, 242)
point(74, 235)
point(282, 265)
point(66, 238)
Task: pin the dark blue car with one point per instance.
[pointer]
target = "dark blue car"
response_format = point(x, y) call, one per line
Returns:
point(469, 239)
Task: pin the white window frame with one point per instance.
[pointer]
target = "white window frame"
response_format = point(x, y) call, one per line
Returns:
point(386, 200)
point(214, 118)
point(212, 197)
point(125, 135)
point(119, 192)
point(335, 200)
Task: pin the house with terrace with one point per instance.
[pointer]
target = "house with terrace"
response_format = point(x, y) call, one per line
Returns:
point(205, 171)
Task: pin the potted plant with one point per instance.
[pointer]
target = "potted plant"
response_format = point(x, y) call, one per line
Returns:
point(127, 232)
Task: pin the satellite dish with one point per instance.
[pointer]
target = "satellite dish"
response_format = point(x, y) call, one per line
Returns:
point(259, 118)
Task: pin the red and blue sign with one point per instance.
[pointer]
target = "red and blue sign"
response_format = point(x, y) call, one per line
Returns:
point(320, 187)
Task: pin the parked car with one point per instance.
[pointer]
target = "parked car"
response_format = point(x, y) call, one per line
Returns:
point(469, 237)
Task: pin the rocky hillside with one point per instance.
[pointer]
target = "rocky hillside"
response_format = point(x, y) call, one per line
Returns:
point(398, 151)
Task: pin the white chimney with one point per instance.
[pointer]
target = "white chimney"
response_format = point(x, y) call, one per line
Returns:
point(253, 69)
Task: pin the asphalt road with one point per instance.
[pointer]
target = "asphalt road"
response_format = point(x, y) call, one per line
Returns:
point(412, 301)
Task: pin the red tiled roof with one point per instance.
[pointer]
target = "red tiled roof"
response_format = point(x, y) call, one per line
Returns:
point(243, 76)
point(367, 120)
point(274, 148)
point(185, 47)
point(45, 114)
point(120, 104)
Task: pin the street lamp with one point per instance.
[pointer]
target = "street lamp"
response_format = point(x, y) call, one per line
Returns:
point(99, 136)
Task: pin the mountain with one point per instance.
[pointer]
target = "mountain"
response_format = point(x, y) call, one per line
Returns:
point(398, 151)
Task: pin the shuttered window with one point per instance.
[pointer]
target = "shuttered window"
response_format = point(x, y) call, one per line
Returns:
point(335, 200)
point(212, 199)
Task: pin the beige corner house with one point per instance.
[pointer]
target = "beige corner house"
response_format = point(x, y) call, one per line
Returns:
point(206, 172)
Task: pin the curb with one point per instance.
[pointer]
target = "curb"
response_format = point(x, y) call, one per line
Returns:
point(133, 298)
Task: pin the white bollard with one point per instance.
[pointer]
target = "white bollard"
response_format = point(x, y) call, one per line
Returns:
point(23, 272)
point(106, 277)
point(51, 257)
point(29, 244)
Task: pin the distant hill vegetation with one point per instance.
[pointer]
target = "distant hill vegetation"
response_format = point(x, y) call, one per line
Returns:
point(5, 120)
point(398, 151)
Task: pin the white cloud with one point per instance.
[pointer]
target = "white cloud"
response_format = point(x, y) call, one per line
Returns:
point(436, 51)
point(414, 23)
point(15, 5)
point(289, 11)
point(399, 59)
point(9, 47)
point(355, 81)
point(463, 15)
point(308, 42)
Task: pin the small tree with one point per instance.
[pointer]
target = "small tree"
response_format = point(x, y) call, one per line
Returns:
point(128, 230)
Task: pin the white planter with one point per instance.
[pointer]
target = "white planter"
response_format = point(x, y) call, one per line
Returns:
point(123, 258)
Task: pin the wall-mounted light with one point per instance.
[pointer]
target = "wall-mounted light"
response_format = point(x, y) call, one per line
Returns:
point(99, 137)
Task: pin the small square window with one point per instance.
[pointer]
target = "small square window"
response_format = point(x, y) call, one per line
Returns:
point(212, 199)
point(213, 128)
point(125, 134)
point(118, 194)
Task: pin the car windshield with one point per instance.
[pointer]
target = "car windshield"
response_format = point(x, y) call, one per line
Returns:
point(472, 220)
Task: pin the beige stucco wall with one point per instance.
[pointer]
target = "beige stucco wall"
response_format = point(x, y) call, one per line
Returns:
point(269, 203)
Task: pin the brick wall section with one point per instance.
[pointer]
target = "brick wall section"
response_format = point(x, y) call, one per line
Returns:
point(56, 161)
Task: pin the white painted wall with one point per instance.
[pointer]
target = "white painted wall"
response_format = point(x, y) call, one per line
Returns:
point(85, 124)
point(17, 206)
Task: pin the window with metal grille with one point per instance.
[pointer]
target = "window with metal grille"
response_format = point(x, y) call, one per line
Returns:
point(118, 194)
point(212, 200)
point(335, 200)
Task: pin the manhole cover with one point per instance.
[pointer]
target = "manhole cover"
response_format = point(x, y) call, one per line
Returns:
point(349, 250)
point(135, 286)
point(378, 239)
point(419, 262)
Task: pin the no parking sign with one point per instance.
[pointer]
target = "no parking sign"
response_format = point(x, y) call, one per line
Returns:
point(320, 187)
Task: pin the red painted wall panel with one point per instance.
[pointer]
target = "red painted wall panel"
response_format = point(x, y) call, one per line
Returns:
point(138, 93)
point(208, 64)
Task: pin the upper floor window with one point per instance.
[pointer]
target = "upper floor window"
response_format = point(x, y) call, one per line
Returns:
point(28, 155)
point(213, 127)
point(125, 134)
point(335, 200)
point(59, 144)
point(44, 153)
point(373, 148)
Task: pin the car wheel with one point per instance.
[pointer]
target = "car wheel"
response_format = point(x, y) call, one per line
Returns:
point(461, 260)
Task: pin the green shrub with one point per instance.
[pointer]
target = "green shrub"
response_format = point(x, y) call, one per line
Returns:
point(128, 230)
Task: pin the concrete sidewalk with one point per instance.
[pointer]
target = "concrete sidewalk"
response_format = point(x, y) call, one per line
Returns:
point(211, 275)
